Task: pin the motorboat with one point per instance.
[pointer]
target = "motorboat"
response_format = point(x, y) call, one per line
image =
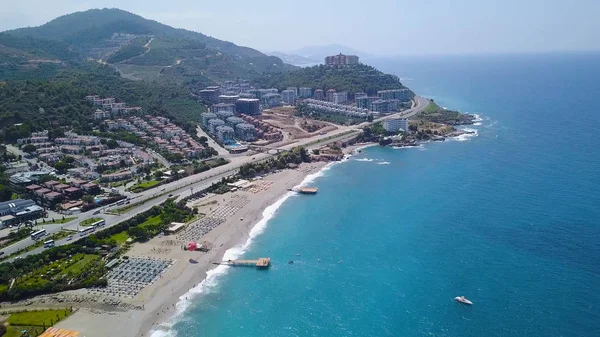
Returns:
point(462, 299)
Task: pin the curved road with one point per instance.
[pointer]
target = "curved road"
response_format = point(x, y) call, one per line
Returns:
point(184, 187)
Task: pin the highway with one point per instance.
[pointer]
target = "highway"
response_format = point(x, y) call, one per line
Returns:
point(185, 186)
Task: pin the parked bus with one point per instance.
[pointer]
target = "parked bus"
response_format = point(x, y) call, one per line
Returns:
point(38, 234)
point(86, 230)
point(49, 243)
point(98, 223)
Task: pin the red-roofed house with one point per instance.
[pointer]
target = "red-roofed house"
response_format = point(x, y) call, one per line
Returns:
point(61, 187)
point(32, 188)
point(53, 196)
point(42, 191)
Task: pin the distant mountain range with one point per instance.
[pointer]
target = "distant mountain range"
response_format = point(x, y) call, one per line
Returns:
point(320, 52)
point(295, 59)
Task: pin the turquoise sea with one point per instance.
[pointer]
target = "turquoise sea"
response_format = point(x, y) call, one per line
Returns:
point(508, 218)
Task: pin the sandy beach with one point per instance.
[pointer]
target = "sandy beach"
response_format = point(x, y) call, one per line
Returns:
point(155, 305)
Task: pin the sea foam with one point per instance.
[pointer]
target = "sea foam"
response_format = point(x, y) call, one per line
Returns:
point(467, 136)
point(165, 329)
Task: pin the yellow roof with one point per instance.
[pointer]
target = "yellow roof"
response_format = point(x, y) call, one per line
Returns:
point(58, 332)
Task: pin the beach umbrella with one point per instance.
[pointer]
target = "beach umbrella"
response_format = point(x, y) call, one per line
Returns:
point(192, 246)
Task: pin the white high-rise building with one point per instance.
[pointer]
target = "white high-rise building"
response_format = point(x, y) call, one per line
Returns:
point(393, 125)
point(305, 92)
point(340, 97)
point(288, 96)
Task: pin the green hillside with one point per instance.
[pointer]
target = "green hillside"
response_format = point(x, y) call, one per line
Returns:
point(59, 104)
point(95, 25)
point(138, 48)
point(352, 79)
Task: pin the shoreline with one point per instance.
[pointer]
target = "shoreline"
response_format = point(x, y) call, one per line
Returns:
point(153, 311)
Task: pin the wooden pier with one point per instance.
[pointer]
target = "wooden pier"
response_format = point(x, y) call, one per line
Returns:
point(305, 190)
point(263, 262)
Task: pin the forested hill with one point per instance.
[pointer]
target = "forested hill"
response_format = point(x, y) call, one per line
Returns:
point(59, 104)
point(353, 79)
point(95, 25)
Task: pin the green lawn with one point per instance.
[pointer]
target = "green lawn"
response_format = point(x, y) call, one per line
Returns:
point(88, 222)
point(58, 221)
point(120, 183)
point(153, 220)
point(120, 238)
point(77, 267)
point(15, 330)
point(432, 108)
point(74, 267)
point(144, 185)
point(38, 318)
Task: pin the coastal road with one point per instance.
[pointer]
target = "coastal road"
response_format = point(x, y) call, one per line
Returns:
point(180, 188)
point(185, 186)
point(421, 104)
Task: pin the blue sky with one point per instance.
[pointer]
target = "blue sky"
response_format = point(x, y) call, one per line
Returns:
point(379, 27)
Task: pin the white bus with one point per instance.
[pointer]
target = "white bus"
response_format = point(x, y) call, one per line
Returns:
point(49, 243)
point(38, 234)
point(86, 230)
point(98, 223)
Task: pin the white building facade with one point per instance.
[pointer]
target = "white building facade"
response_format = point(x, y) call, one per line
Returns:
point(394, 125)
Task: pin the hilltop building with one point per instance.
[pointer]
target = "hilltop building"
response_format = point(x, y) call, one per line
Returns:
point(364, 102)
point(340, 97)
point(210, 96)
point(207, 116)
point(329, 95)
point(403, 95)
point(384, 105)
point(305, 92)
point(271, 100)
point(245, 131)
point(213, 124)
point(222, 107)
point(223, 115)
point(337, 109)
point(228, 99)
point(225, 134)
point(288, 96)
point(341, 60)
point(248, 106)
point(233, 121)
point(259, 93)
point(319, 95)
point(360, 95)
